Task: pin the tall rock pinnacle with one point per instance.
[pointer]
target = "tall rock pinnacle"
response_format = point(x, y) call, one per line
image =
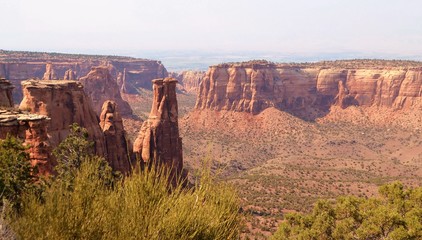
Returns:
point(158, 141)
point(118, 149)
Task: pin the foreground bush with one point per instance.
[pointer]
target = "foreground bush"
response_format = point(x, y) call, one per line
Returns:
point(15, 171)
point(396, 215)
point(138, 207)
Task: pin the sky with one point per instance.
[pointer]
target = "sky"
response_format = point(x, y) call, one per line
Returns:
point(385, 27)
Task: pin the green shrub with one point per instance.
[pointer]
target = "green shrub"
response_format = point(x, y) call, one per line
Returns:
point(397, 214)
point(15, 171)
point(139, 207)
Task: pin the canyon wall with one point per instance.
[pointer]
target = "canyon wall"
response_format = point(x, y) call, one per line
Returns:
point(32, 129)
point(255, 86)
point(158, 141)
point(6, 99)
point(100, 86)
point(130, 73)
point(190, 80)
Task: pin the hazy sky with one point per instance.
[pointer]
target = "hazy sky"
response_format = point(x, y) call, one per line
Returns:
point(294, 26)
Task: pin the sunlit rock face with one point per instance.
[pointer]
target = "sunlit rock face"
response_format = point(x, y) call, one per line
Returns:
point(65, 103)
point(119, 152)
point(255, 86)
point(100, 86)
point(158, 141)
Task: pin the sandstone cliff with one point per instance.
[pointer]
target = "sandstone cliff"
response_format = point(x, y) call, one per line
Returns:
point(190, 80)
point(32, 129)
point(6, 88)
point(65, 103)
point(303, 89)
point(158, 140)
point(118, 148)
point(100, 86)
point(132, 72)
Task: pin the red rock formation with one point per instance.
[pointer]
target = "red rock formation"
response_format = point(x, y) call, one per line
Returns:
point(65, 103)
point(158, 140)
point(254, 86)
point(100, 86)
point(190, 80)
point(6, 88)
point(138, 73)
point(49, 72)
point(69, 75)
point(20, 66)
point(118, 148)
point(32, 129)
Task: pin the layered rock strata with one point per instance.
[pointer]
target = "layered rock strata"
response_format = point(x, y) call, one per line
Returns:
point(158, 140)
point(32, 129)
point(6, 88)
point(118, 148)
point(190, 80)
point(255, 86)
point(65, 103)
point(131, 73)
point(100, 86)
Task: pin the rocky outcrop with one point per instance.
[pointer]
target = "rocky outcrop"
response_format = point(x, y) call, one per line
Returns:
point(118, 148)
point(255, 86)
point(32, 129)
point(190, 80)
point(138, 74)
point(21, 66)
point(100, 86)
point(65, 103)
point(49, 72)
point(69, 75)
point(158, 140)
point(6, 88)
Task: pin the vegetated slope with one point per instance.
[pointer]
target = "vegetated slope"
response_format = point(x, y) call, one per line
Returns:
point(280, 162)
point(290, 152)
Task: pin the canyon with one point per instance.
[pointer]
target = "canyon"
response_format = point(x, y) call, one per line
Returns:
point(189, 80)
point(130, 73)
point(284, 134)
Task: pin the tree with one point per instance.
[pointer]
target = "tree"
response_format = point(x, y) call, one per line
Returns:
point(16, 172)
point(396, 214)
point(73, 151)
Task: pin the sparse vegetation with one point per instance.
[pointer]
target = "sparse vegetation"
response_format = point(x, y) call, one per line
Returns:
point(397, 214)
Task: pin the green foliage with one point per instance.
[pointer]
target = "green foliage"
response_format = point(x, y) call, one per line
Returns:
point(16, 172)
point(138, 207)
point(73, 150)
point(397, 214)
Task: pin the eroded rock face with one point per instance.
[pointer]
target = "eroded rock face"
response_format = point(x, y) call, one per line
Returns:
point(20, 66)
point(32, 129)
point(69, 75)
point(158, 140)
point(65, 103)
point(253, 87)
point(118, 148)
point(101, 86)
point(6, 88)
point(49, 72)
point(190, 80)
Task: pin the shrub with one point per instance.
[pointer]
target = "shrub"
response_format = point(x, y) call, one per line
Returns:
point(16, 172)
point(397, 214)
point(138, 207)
